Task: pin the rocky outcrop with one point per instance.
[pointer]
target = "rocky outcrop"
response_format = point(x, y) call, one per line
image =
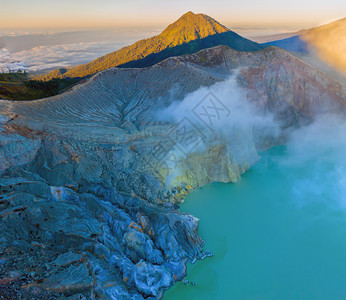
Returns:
point(88, 207)
point(15, 149)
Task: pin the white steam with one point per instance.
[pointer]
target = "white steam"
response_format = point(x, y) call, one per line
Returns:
point(222, 110)
point(219, 114)
point(238, 111)
point(316, 154)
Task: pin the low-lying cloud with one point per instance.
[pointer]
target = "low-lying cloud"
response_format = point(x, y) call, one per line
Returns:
point(46, 51)
point(49, 57)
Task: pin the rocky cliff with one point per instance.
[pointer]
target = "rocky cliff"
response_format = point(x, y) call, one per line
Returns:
point(91, 179)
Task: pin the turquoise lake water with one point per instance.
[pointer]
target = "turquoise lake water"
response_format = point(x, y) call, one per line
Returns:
point(279, 233)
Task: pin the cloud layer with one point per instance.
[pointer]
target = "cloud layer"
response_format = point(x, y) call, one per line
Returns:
point(45, 51)
point(48, 57)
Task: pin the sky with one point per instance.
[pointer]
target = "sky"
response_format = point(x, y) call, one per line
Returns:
point(54, 14)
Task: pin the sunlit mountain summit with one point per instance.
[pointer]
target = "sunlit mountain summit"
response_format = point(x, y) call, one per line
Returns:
point(189, 34)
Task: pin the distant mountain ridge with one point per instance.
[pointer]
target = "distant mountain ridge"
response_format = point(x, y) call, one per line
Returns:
point(189, 34)
point(327, 41)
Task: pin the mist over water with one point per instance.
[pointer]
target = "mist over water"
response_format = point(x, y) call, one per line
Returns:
point(322, 147)
point(280, 232)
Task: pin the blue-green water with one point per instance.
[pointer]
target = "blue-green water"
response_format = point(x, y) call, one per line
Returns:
point(279, 233)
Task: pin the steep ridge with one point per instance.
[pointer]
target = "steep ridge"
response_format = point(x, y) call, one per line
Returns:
point(327, 41)
point(83, 187)
point(133, 91)
point(189, 34)
point(275, 37)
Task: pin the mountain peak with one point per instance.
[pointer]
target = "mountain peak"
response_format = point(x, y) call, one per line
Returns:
point(189, 34)
point(189, 13)
point(191, 26)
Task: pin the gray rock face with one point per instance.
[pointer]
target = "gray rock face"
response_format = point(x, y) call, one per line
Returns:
point(150, 279)
point(15, 149)
point(87, 210)
point(72, 280)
